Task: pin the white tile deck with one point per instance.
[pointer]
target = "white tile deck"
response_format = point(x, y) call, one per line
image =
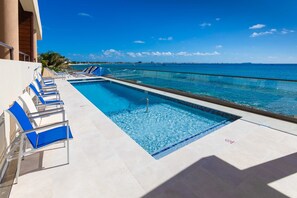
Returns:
point(105, 162)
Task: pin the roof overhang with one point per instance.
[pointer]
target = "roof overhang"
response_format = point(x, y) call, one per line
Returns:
point(32, 6)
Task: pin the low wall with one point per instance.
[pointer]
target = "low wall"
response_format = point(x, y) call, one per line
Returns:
point(15, 76)
point(48, 73)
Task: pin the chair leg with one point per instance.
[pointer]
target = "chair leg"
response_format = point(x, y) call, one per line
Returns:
point(67, 143)
point(24, 148)
point(67, 151)
point(19, 159)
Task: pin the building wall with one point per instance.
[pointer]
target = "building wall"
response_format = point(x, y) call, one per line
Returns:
point(15, 76)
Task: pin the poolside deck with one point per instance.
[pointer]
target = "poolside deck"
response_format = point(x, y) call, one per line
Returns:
point(242, 159)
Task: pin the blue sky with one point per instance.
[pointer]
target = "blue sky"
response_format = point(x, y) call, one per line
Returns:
point(202, 31)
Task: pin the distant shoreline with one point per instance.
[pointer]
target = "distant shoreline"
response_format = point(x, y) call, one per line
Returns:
point(159, 63)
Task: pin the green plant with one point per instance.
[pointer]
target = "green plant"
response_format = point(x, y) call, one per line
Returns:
point(53, 61)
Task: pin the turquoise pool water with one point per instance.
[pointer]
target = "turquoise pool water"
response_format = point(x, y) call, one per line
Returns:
point(158, 124)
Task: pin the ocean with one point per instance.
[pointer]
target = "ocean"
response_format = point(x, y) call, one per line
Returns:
point(279, 71)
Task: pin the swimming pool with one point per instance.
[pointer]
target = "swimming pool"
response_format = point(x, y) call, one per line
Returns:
point(159, 124)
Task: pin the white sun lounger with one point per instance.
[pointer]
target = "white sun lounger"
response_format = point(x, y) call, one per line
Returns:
point(26, 101)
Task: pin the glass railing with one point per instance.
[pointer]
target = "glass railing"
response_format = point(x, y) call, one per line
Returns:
point(271, 95)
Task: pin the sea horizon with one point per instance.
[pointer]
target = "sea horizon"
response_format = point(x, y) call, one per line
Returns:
point(189, 63)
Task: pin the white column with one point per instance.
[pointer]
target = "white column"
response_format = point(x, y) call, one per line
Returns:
point(9, 27)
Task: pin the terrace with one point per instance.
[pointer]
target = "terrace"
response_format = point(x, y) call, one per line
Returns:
point(254, 156)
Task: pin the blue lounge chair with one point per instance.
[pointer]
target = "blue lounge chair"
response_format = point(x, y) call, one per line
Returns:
point(46, 86)
point(93, 70)
point(100, 71)
point(89, 69)
point(45, 92)
point(85, 70)
point(45, 81)
point(46, 135)
point(42, 100)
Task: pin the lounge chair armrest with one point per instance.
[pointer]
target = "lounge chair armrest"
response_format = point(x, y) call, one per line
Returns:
point(40, 106)
point(49, 90)
point(41, 115)
point(51, 104)
point(57, 103)
point(49, 95)
point(49, 87)
point(46, 105)
point(48, 79)
point(46, 127)
point(47, 111)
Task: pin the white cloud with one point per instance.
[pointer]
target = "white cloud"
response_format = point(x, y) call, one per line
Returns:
point(141, 54)
point(183, 54)
point(286, 31)
point(111, 52)
point(162, 54)
point(219, 46)
point(139, 42)
point(170, 38)
point(257, 34)
point(94, 56)
point(203, 25)
point(116, 53)
point(218, 19)
point(84, 14)
point(159, 54)
point(257, 26)
point(146, 53)
point(135, 54)
point(197, 53)
point(206, 53)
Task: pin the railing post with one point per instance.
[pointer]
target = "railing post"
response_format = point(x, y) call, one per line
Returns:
point(147, 104)
point(11, 53)
point(11, 49)
point(25, 56)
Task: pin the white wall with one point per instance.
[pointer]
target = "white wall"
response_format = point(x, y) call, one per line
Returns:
point(15, 76)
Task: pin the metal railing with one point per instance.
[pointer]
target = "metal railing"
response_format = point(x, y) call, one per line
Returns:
point(147, 102)
point(26, 57)
point(8, 47)
point(267, 96)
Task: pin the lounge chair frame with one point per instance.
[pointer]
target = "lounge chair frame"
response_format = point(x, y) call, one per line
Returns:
point(23, 139)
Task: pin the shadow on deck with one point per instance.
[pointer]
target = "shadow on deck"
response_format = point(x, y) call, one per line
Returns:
point(213, 177)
